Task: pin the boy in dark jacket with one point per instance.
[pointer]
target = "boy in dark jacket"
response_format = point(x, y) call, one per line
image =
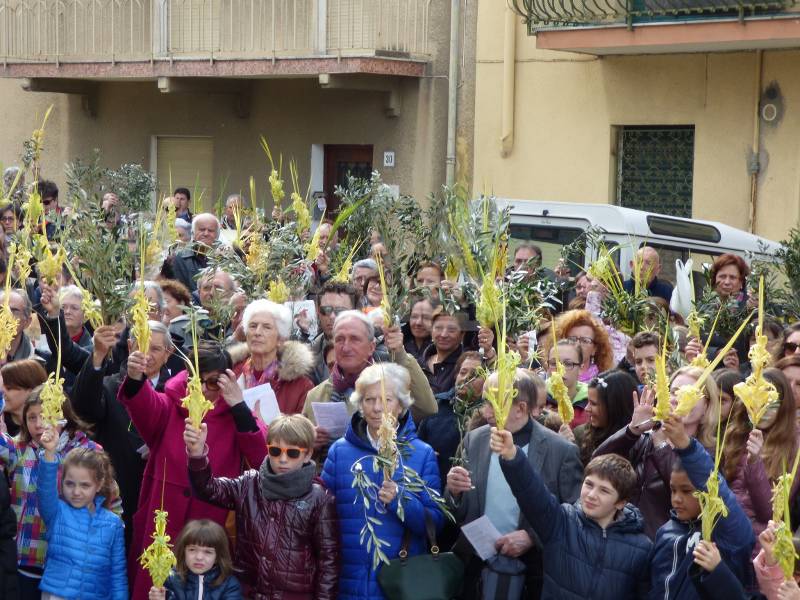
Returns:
point(287, 538)
point(594, 548)
point(674, 575)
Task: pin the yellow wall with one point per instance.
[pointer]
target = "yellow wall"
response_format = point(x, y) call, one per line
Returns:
point(567, 104)
point(292, 113)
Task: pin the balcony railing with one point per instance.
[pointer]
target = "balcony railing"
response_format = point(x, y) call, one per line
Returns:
point(548, 13)
point(151, 30)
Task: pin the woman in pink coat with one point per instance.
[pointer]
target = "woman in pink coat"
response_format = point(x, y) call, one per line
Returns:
point(236, 439)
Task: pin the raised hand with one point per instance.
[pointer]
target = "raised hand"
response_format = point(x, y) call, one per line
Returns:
point(642, 417)
point(502, 443)
point(767, 540)
point(458, 481)
point(104, 339)
point(230, 389)
point(137, 364)
point(706, 554)
point(676, 433)
point(755, 442)
point(195, 439)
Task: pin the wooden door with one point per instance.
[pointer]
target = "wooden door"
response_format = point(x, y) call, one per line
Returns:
point(342, 161)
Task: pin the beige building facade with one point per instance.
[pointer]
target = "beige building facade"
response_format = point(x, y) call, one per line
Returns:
point(188, 87)
point(598, 111)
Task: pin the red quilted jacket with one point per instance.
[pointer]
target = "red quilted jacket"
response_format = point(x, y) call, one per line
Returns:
point(285, 549)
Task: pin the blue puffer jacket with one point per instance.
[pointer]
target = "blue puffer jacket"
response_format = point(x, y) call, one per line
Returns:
point(198, 587)
point(85, 550)
point(675, 541)
point(581, 560)
point(357, 580)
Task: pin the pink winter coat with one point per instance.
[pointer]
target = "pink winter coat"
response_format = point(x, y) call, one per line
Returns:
point(159, 419)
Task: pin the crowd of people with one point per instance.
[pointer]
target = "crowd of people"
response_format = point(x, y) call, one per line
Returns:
point(609, 504)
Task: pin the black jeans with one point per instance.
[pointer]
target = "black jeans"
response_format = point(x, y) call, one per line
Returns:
point(29, 587)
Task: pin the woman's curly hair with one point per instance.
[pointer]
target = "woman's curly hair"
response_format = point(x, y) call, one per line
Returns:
point(603, 353)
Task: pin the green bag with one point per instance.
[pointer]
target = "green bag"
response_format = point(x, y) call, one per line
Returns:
point(434, 576)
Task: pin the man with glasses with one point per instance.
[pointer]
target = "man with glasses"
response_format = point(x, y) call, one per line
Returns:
point(21, 346)
point(334, 298)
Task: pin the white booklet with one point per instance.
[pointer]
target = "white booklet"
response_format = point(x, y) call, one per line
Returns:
point(483, 535)
point(262, 401)
point(332, 417)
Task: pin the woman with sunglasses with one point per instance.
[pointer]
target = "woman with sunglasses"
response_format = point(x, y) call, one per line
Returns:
point(790, 344)
point(287, 534)
point(283, 364)
point(236, 437)
point(380, 387)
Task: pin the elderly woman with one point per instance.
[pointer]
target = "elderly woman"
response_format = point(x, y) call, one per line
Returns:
point(728, 275)
point(581, 327)
point(275, 360)
point(380, 387)
point(71, 299)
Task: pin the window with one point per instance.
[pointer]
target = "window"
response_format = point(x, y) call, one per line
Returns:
point(669, 254)
point(550, 240)
point(655, 168)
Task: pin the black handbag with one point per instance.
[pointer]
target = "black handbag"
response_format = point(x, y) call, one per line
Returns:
point(434, 576)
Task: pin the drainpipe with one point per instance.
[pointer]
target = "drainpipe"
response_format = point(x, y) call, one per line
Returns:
point(755, 166)
point(509, 83)
point(452, 93)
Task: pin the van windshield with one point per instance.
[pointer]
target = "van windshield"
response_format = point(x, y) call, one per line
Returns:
point(550, 239)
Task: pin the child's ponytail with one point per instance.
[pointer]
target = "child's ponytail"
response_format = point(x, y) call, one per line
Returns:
point(99, 464)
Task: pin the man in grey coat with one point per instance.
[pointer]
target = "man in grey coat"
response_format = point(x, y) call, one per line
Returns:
point(478, 488)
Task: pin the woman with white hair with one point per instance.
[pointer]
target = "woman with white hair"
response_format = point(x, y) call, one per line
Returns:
point(71, 299)
point(275, 360)
point(380, 388)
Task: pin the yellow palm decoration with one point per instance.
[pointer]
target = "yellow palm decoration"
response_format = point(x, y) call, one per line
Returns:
point(501, 396)
point(756, 393)
point(50, 263)
point(275, 180)
point(387, 436)
point(8, 322)
point(343, 276)
point(712, 508)
point(663, 401)
point(158, 559)
point(141, 306)
point(195, 402)
point(386, 306)
point(689, 395)
point(784, 550)
point(301, 215)
point(558, 389)
point(53, 397)
point(90, 308)
point(278, 291)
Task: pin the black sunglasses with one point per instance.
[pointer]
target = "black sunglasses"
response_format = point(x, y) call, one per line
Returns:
point(328, 310)
point(790, 347)
point(212, 383)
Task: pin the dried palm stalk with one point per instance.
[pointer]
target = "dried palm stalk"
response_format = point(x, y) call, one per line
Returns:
point(53, 397)
point(501, 396)
point(784, 550)
point(8, 322)
point(387, 436)
point(275, 180)
point(158, 559)
point(278, 291)
point(558, 389)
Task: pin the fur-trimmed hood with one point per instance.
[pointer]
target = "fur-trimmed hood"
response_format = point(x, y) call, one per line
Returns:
point(296, 359)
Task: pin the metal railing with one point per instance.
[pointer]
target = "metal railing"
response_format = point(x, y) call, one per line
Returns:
point(137, 30)
point(546, 13)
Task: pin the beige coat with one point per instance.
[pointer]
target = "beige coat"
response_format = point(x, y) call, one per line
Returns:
point(424, 402)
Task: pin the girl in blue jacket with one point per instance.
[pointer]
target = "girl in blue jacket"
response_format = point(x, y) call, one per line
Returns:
point(86, 541)
point(672, 565)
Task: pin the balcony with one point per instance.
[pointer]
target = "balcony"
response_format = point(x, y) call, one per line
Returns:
point(146, 39)
point(608, 27)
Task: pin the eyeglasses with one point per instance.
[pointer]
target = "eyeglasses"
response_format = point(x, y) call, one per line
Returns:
point(790, 347)
point(8, 219)
point(586, 341)
point(293, 452)
point(212, 383)
point(328, 310)
point(568, 364)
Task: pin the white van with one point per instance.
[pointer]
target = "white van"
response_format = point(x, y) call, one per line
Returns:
point(551, 225)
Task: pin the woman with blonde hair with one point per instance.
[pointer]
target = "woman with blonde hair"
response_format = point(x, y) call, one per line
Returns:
point(754, 457)
point(581, 327)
